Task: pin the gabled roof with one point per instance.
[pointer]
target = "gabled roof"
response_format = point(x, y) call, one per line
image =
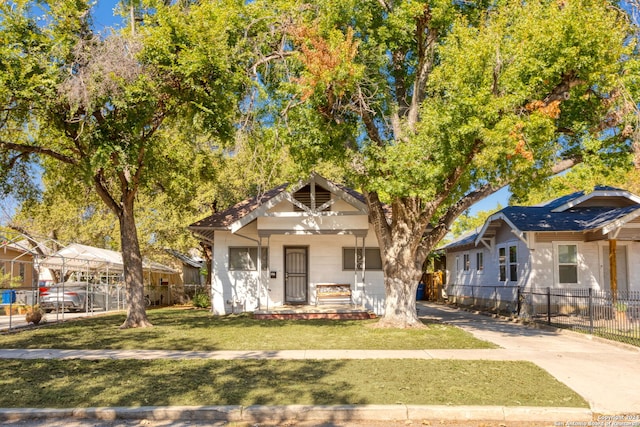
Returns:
point(223, 219)
point(604, 209)
point(248, 210)
point(186, 259)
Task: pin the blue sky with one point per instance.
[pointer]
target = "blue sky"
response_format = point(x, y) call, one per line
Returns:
point(103, 16)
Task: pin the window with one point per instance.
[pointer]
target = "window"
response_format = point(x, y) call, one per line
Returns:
point(372, 259)
point(466, 262)
point(479, 261)
point(568, 263)
point(21, 271)
point(502, 261)
point(246, 258)
point(513, 263)
point(508, 263)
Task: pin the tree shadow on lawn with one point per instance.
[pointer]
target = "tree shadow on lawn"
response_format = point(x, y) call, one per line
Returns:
point(81, 383)
point(198, 330)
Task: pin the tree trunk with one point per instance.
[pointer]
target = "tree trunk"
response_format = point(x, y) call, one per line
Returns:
point(401, 283)
point(133, 273)
point(399, 241)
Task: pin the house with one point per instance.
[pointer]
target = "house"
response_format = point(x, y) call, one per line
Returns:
point(16, 264)
point(582, 240)
point(289, 245)
point(191, 268)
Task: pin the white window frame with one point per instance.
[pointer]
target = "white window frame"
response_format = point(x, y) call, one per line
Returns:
point(513, 264)
point(466, 262)
point(507, 263)
point(252, 253)
point(558, 264)
point(480, 262)
point(502, 263)
point(369, 258)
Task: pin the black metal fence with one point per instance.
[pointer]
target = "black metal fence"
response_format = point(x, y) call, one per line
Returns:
point(600, 313)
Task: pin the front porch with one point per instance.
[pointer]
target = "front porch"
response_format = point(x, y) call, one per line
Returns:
point(308, 312)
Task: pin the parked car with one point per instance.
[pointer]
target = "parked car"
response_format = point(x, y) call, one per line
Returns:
point(72, 296)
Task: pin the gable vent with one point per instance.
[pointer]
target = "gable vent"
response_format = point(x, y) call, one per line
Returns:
point(304, 196)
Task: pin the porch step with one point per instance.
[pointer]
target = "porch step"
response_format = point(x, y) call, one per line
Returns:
point(308, 312)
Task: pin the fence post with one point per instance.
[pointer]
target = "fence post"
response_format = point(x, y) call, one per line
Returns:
point(518, 301)
point(590, 311)
point(549, 305)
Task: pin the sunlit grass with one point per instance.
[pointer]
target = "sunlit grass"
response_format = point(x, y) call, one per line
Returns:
point(82, 383)
point(192, 330)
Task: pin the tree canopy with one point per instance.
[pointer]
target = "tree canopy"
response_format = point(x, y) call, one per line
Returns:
point(427, 106)
point(434, 105)
point(99, 110)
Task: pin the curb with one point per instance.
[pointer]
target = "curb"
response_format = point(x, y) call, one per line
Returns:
point(339, 413)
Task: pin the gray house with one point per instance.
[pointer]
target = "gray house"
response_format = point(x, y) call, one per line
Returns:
point(582, 240)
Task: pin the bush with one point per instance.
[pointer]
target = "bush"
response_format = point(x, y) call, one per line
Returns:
point(201, 300)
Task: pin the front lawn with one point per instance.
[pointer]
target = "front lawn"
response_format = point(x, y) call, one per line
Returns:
point(82, 383)
point(193, 330)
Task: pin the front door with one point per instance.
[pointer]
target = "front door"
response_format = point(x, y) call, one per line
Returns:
point(295, 275)
point(621, 270)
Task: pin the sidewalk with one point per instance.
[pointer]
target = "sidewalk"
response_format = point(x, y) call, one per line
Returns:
point(605, 374)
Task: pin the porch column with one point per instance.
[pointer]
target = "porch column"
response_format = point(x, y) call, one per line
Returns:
point(613, 270)
point(217, 291)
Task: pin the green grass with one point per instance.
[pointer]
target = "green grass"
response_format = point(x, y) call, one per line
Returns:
point(193, 330)
point(82, 383)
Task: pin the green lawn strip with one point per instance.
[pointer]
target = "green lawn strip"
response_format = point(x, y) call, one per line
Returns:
point(82, 383)
point(192, 330)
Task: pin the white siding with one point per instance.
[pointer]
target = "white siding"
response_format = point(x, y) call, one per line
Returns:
point(633, 252)
point(325, 266)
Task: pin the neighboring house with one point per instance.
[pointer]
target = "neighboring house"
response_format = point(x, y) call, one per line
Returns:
point(576, 241)
point(276, 248)
point(191, 268)
point(17, 265)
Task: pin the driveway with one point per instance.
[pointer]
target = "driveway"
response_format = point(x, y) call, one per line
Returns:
point(606, 374)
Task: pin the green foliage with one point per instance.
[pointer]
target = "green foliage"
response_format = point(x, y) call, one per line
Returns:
point(7, 280)
point(466, 223)
point(201, 300)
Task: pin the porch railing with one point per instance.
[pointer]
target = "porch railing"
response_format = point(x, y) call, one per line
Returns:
point(600, 313)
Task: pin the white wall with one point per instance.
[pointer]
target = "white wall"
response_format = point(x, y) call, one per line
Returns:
point(325, 266)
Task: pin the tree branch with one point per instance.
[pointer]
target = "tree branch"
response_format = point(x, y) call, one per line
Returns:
point(32, 149)
point(426, 41)
point(103, 192)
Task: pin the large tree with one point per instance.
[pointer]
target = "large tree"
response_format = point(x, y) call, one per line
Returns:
point(432, 105)
point(96, 106)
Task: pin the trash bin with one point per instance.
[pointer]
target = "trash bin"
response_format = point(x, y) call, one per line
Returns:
point(420, 292)
point(8, 296)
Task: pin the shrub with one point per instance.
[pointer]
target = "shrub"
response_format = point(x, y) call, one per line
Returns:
point(201, 300)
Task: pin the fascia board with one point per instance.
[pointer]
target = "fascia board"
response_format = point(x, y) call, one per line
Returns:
point(492, 218)
point(618, 223)
point(597, 193)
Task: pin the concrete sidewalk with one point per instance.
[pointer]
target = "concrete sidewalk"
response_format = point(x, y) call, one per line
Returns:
point(605, 374)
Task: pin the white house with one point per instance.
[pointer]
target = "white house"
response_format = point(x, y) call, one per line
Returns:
point(576, 241)
point(277, 248)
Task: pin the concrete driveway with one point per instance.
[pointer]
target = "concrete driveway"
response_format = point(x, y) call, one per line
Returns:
point(605, 373)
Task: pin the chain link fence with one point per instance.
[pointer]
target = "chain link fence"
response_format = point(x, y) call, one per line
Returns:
point(601, 313)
